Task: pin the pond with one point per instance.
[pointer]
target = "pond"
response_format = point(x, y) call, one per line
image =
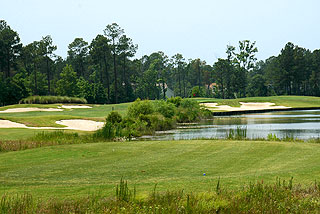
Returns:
point(303, 124)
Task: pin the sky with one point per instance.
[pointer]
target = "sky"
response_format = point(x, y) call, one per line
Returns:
point(196, 29)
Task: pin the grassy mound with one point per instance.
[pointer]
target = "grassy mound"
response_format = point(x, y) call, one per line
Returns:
point(52, 100)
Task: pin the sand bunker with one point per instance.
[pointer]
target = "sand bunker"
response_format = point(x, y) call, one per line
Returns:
point(10, 124)
point(244, 106)
point(70, 107)
point(18, 110)
point(81, 125)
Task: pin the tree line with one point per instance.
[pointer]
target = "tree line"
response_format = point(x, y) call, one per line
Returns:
point(105, 70)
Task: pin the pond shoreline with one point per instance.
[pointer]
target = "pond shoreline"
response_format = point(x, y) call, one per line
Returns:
point(227, 113)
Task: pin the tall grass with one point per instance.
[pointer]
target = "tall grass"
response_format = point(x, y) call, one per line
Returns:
point(52, 100)
point(280, 197)
point(240, 133)
point(43, 139)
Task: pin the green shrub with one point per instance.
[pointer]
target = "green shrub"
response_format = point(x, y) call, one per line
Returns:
point(52, 100)
point(107, 132)
point(167, 109)
point(112, 128)
point(196, 92)
point(140, 107)
point(114, 117)
point(188, 111)
point(159, 123)
point(131, 128)
point(175, 100)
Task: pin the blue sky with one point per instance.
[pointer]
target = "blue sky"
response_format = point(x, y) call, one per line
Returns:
point(196, 29)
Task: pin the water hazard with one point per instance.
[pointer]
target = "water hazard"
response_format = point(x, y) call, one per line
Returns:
point(303, 124)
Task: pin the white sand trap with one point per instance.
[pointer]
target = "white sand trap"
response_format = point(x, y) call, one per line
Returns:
point(18, 110)
point(10, 124)
point(83, 125)
point(70, 107)
point(245, 106)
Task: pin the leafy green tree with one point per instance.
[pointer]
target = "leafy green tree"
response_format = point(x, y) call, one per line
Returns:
point(243, 62)
point(100, 52)
point(315, 74)
point(257, 86)
point(67, 85)
point(114, 32)
point(246, 57)
point(10, 48)
point(126, 49)
point(100, 95)
point(286, 60)
point(225, 77)
point(46, 49)
point(178, 62)
point(77, 53)
point(30, 58)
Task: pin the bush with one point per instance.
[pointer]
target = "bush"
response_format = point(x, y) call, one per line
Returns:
point(140, 107)
point(189, 111)
point(112, 128)
point(167, 109)
point(196, 92)
point(159, 123)
point(52, 100)
point(132, 128)
point(146, 117)
point(175, 100)
point(114, 117)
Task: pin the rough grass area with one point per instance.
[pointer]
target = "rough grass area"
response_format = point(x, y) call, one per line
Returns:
point(52, 100)
point(26, 135)
point(281, 197)
point(78, 170)
point(289, 101)
point(15, 134)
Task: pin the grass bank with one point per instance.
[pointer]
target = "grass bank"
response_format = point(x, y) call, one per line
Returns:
point(78, 170)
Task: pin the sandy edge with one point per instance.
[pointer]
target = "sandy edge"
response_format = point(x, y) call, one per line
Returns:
point(244, 106)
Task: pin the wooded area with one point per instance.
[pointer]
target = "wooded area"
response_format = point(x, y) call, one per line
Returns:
point(104, 71)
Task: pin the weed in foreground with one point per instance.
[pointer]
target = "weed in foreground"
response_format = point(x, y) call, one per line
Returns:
point(280, 197)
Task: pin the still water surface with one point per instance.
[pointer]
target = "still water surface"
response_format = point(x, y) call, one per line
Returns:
point(303, 124)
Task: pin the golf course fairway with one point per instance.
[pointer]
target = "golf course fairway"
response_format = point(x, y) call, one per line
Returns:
point(194, 166)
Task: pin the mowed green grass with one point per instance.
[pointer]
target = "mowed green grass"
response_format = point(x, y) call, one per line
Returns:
point(78, 170)
point(289, 101)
